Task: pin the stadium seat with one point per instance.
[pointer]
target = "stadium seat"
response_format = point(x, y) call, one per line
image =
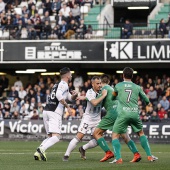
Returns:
point(40, 11)
point(38, 4)
point(52, 18)
point(23, 4)
point(5, 35)
point(0, 33)
point(18, 11)
point(53, 25)
point(84, 9)
point(24, 33)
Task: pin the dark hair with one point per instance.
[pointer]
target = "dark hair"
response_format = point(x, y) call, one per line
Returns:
point(105, 78)
point(95, 77)
point(128, 72)
point(64, 71)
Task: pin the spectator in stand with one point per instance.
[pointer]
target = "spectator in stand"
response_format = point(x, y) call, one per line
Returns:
point(31, 31)
point(31, 94)
point(154, 117)
point(81, 30)
point(163, 26)
point(71, 87)
point(78, 82)
point(17, 19)
point(65, 10)
point(79, 112)
point(19, 28)
point(150, 111)
point(159, 91)
point(26, 18)
point(30, 114)
point(87, 2)
point(152, 95)
point(46, 18)
point(25, 10)
point(4, 83)
point(40, 112)
point(30, 4)
point(62, 30)
point(47, 6)
point(14, 111)
point(76, 13)
point(46, 30)
point(6, 109)
point(85, 87)
point(127, 29)
point(56, 6)
point(147, 88)
point(23, 111)
point(89, 33)
point(70, 18)
point(167, 94)
point(161, 113)
point(13, 93)
point(35, 18)
point(1, 115)
point(59, 18)
point(141, 82)
point(32, 104)
point(2, 6)
point(150, 81)
point(70, 116)
point(35, 115)
point(22, 93)
point(72, 27)
point(33, 11)
point(18, 84)
point(165, 119)
point(144, 117)
point(164, 103)
point(38, 28)
point(3, 20)
point(159, 82)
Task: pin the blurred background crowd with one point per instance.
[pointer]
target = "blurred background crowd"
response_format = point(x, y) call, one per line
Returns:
point(27, 102)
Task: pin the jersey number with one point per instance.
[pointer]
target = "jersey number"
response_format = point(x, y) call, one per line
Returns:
point(53, 94)
point(129, 94)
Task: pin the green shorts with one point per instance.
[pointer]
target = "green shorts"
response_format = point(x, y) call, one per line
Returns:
point(108, 121)
point(126, 119)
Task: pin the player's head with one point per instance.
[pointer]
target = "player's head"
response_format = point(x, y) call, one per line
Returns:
point(128, 73)
point(105, 79)
point(96, 83)
point(66, 73)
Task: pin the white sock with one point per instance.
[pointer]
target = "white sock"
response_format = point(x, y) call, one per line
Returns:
point(43, 142)
point(72, 145)
point(91, 144)
point(50, 142)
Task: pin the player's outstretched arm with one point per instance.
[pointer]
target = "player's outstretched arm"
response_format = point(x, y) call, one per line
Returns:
point(143, 96)
point(96, 101)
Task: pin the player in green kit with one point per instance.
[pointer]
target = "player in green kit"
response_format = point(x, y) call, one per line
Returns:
point(128, 114)
point(107, 123)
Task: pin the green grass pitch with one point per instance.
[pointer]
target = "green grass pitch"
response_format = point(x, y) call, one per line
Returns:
point(18, 155)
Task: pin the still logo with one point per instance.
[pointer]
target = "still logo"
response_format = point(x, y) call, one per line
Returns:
point(121, 50)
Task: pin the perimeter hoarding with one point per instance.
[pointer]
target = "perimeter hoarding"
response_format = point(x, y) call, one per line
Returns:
point(101, 51)
point(34, 130)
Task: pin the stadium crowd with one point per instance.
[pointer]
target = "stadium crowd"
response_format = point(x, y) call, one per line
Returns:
point(28, 102)
point(43, 19)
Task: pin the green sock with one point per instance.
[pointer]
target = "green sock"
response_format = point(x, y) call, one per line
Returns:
point(145, 144)
point(132, 146)
point(117, 148)
point(102, 143)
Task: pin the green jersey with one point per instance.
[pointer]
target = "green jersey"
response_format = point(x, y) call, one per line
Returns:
point(108, 102)
point(128, 93)
point(110, 105)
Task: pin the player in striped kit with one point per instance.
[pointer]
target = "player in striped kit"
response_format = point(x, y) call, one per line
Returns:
point(53, 111)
